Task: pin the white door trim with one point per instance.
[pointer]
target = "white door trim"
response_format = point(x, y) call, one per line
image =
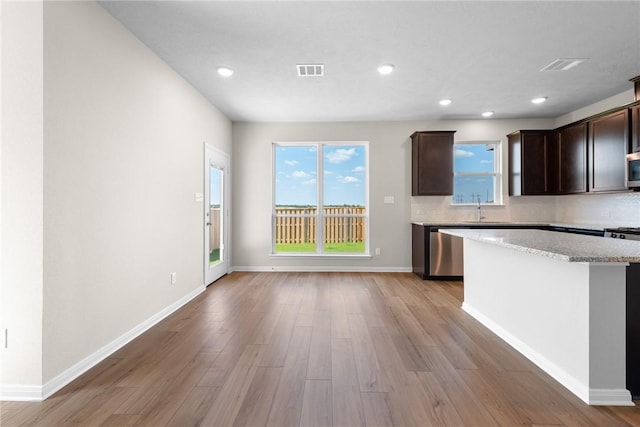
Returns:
point(221, 160)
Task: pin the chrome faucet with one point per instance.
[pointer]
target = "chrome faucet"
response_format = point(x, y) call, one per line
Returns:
point(480, 217)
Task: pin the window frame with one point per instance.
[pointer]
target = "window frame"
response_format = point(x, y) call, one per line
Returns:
point(496, 174)
point(320, 215)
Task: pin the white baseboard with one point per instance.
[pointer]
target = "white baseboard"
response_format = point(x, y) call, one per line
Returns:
point(608, 397)
point(40, 393)
point(324, 269)
point(20, 393)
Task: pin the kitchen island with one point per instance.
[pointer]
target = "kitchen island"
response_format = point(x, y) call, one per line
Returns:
point(557, 298)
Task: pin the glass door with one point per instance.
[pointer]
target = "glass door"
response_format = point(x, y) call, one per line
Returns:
point(216, 214)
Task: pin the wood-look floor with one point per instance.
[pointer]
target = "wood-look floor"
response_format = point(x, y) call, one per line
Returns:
point(317, 349)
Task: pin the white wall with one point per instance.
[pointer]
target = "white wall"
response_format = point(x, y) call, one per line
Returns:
point(124, 141)
point(114, 157)
point(22, 193)
point(390, 175)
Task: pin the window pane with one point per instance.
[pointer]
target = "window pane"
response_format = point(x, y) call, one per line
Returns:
point(215, 219)
point(295, 194)
point(345, 176)
point(474, 158)
point(297, 223)
point(467, 189)
point(296, 173)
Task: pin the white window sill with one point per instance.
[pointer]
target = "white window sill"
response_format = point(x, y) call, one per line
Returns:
point(321, 256)
point(487, 205)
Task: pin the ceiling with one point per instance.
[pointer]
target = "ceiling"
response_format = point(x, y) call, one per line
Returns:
point(483, 55)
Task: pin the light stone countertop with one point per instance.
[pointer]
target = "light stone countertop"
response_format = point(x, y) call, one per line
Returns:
point(484, 223)
point(561, 246)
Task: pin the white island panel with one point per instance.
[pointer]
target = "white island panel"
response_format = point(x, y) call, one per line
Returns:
point(567, 317)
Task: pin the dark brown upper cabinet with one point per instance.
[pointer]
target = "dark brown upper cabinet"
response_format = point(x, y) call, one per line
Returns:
point(532, 163)
point(572, 158)
point(432, 163)
point(608, 146)
point(635, 128)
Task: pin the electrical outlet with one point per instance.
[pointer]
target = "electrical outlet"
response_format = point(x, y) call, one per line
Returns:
point(173, 278)
point(377, 251)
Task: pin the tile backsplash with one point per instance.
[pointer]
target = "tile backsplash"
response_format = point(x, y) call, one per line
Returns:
point(621, 209)
point(613, 209)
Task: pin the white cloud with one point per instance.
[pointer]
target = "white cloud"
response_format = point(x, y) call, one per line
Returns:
point(300, 174)
point(486, 162)
point(291, 162)
point(341, 155)
point(328, 172)
point(358, 169)
point(463, 153)
point(309, 182)
point(347, 179)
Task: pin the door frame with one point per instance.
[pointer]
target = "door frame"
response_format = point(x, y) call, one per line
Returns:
point(215, 157)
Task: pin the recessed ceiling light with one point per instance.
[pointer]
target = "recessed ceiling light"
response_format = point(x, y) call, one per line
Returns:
point(225, 71)
point(445, 101)
point(386, 69)
point(539, 100)
point(487, 114)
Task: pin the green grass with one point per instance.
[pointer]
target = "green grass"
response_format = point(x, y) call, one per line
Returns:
point(295, 247)
point(214, 256)
point(351, 247)
point(344, 247)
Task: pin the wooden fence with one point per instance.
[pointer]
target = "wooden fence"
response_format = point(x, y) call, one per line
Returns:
point(338, 228)
point(214, 230)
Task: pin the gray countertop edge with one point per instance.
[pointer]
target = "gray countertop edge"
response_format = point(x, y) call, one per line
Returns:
point(571, 248)
point(499, 224)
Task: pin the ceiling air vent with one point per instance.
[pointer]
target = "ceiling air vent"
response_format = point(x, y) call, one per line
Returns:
point(310, 70)
point(563, 64)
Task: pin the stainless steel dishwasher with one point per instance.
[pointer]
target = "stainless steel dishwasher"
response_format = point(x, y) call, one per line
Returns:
point(445, 255)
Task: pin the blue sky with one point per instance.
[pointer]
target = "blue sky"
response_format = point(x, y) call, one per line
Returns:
point(215, 177)
point(297, 175)
point(473, 158)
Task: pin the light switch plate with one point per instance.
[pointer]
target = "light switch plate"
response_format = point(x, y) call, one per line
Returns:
point(389, 200)
point(199, 197)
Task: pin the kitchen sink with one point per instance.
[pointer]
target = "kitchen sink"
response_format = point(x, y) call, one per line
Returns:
point(487, 222)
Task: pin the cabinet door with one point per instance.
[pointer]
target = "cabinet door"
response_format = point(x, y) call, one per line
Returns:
point(572, 146)
point(515, 164)
point(533, 163)
point(432, 164)
point(635, 128)
point(418, 249)
point(608, 144)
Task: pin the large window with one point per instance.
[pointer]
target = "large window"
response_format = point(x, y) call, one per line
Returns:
point(476, 173)
point(320, 198)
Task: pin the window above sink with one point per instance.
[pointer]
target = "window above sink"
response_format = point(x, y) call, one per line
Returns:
point(477, 173)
